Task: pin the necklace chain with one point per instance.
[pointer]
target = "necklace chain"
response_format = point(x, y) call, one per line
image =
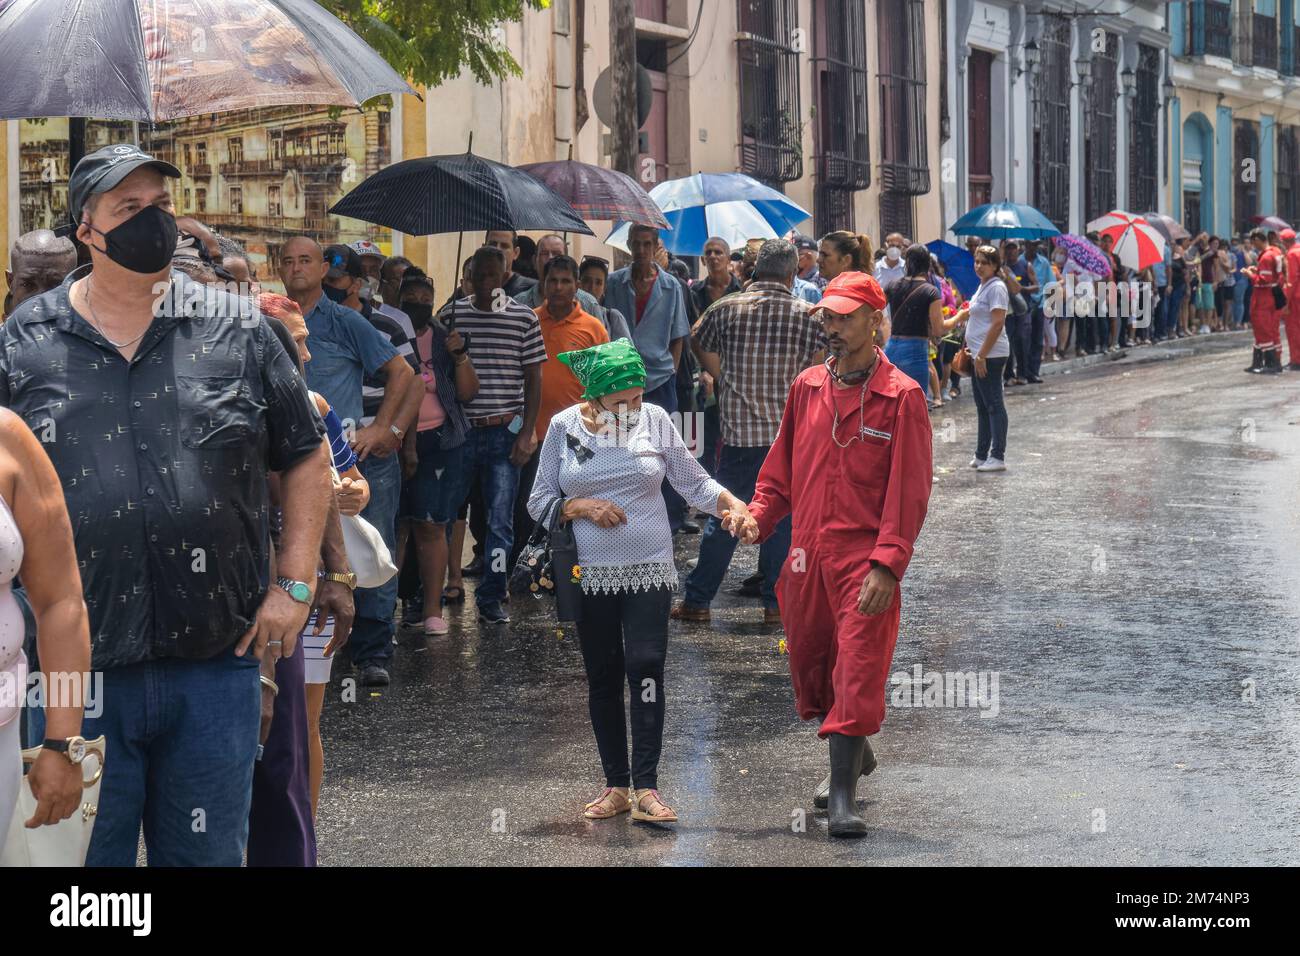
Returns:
point(862, 405)
point(94, 321)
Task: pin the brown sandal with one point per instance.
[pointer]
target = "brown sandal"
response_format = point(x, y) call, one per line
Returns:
point(611, 802)
point(663, 813)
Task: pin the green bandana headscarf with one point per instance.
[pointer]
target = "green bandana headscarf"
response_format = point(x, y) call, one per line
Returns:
point(605, 368)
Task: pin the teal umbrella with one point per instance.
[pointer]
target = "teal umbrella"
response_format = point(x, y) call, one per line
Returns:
point(1005, 220)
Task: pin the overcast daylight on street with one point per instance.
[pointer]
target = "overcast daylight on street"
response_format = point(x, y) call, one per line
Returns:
point(590, 434)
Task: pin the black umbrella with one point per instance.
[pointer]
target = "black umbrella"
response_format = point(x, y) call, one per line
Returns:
point(460, 193)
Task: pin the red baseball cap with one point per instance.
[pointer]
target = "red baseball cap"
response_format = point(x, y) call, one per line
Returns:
point(849, 291)
point(1287, 234)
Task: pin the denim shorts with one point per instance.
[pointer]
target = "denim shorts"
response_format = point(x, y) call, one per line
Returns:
point(438, 488)
point(1205, 296)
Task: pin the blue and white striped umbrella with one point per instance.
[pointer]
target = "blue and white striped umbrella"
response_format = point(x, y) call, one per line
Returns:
point(731, 206)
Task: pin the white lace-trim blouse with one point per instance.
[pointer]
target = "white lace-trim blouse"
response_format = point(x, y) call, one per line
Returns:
point(628, 472)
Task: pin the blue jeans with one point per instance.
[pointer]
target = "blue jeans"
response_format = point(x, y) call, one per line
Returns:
point(1176, 296)
point(181, 738)
point(912, 356)
point(1017, 366)
point(1034, 359)
point(738, 472)
point(1158, 320)
point(1239, 300)
point(992, 412)
point(487, 456)
point(372, 631)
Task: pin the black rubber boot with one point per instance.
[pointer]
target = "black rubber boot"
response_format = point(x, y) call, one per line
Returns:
point(1273, 362)
point(1256, 361)
point(846, 766)
point(822, 796)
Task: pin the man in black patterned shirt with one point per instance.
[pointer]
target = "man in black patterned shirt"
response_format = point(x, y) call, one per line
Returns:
point(163, 405)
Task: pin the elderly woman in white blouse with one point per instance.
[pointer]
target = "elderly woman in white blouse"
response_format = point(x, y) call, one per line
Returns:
point(607, 458)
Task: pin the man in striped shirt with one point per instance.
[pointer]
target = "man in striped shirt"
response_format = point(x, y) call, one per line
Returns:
point(505, 344)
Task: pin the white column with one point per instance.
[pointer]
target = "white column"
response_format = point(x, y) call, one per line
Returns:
point(13, 175)
point(395, 154)
point(1125, 107)
point(1079, 158)
point(960, 115)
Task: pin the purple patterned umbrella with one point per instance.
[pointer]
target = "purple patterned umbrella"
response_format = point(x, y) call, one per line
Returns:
point(598, 193)
point(1084, 253)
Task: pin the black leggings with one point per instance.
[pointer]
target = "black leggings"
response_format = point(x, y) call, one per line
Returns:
point(625, 636)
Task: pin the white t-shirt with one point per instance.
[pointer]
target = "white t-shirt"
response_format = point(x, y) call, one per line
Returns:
point(992, 294)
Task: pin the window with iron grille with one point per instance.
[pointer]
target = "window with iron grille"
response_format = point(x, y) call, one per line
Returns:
point(1245, 156)
point(1288, 174)
point(840, 86)
point(1209, 28)
point(1143, 165)
point(1099, 192)
point(1264, 35)
point(1052, 123)
point(904, 166)
point(771, 147)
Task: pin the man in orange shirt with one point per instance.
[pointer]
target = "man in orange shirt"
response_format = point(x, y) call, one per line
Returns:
point(1292, 314)
point(565, 328)
point(1266, 276)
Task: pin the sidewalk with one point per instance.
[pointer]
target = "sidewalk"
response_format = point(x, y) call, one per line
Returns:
point(1141, 355)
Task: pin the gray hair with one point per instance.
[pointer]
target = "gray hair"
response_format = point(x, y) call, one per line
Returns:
point(777, 260)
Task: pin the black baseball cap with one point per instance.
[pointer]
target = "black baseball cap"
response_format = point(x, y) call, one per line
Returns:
point(102, 170)
point(805, 242)
point(343, 261)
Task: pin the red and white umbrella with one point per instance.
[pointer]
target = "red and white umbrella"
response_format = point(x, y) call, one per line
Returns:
point(1137, 243)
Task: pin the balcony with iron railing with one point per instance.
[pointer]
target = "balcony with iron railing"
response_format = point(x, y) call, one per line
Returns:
point(1264, 41)
point(252, 167)
point(1209, 29)
point(201, 171)
point(279, 224)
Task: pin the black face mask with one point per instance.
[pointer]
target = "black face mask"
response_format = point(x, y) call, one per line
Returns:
point(144, 243)
point(333, 294)
point(421, 314)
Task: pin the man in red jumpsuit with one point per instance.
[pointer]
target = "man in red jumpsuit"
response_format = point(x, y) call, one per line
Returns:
point(1265, 275)
point(851, 465)
point(1292, 317)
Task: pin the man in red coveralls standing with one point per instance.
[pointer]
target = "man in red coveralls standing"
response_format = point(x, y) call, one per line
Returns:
point(1265, 275)
point(1292, 317)
point(851, 465)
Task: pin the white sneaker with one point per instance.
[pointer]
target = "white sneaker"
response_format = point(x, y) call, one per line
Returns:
point(993, 464)
point(977, 462)
point(1205, 330)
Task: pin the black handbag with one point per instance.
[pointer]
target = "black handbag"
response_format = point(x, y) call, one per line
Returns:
point(1279, 297)
point(548, 564)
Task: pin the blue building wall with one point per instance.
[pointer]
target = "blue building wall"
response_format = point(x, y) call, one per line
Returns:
point(1226, 174)
point(1267, 195)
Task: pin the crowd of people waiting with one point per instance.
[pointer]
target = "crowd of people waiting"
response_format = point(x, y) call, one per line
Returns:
point(368, 393)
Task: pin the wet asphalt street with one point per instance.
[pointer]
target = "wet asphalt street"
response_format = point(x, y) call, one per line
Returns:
point(1132, 583)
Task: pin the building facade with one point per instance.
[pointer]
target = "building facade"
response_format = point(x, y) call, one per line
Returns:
point(1055, 106)
point(1235, 121)
point(837, 103)
point(833, 102)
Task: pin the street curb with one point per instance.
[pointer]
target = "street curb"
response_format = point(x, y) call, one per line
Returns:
point(1179, 348)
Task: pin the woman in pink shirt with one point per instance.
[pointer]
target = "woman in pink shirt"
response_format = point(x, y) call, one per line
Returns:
point(434, 482)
